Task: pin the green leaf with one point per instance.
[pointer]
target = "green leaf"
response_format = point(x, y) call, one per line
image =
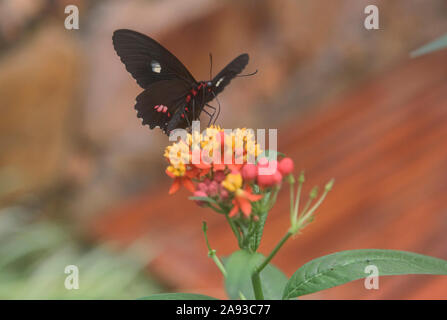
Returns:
point(240, 266)
point(177, 296)
point(345, 266)
point(204, 199)
point(438, 44)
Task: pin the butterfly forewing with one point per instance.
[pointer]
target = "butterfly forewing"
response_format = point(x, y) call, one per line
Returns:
point(147, 60)
point(223, 78)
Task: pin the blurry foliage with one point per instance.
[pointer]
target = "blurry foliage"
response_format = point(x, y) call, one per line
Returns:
point(33, 257)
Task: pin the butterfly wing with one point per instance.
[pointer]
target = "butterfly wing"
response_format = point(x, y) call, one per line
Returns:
point(223, 78)
point(147, 60)
point(161, 103)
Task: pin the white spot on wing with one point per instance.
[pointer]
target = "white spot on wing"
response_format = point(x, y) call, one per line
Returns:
point(219, 81)
point(156, 67)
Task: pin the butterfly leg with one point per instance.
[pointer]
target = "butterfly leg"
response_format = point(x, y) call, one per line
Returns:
point(210, 115)
point(218, 103)
point(211, 107)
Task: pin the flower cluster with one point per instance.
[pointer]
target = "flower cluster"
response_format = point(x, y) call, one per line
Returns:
point(225, 170)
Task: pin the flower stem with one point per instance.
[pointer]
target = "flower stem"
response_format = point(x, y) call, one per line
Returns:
point(257, 286)
point(292, 193)
point(255, 277)
point(306, 214)
point(212, 252)
point(273, 200)
point(273, 253)
point(296, 208)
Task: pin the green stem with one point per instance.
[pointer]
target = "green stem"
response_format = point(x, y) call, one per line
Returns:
point(297, 203)
point(292, 193)
point(273, 253)
point(218, 263)
point(255, 277)
point(257, 286)
point(273, 200)
point(306, 215)
point(212, 252)
point(306, 207)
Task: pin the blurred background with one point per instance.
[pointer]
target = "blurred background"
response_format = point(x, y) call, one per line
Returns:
point(82, 181)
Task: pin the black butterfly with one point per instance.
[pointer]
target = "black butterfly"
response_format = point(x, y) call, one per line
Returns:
point(172, 97)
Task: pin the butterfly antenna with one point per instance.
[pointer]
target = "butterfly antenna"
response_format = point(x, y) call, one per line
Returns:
point(211, 66)
point(248, 74)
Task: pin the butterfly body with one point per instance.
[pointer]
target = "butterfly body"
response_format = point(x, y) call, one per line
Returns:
point(172, 97)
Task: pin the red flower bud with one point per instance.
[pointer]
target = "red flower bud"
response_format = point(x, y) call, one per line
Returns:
point(223, 193)
point(213, 189)
point(202, 187)
point(277, 177)
point(265, 180)
point(219, 176)
point(266, 167)
point(286, 166)
point(249, 172)
point(263, 162)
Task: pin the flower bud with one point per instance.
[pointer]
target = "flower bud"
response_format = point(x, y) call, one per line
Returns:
point(263, 162)
point(202, 187)
point(265, 180)
point(285, 166)
point(277, 177)
point(223, 193)
point(266, 167)
point(249, 172)
point(213, 189)
point(219, 176)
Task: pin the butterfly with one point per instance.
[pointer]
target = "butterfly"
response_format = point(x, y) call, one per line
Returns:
point(172, 98)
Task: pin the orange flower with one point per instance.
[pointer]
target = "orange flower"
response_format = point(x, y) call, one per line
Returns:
point(181, 176)
point(242, 201)
point(242, 198)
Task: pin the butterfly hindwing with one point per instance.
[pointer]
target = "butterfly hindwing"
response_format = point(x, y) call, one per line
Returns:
point(165, 93)
point(147, 60)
